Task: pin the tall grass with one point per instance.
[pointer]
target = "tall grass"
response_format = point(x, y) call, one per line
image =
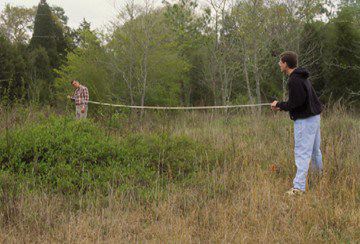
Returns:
point(240, 199)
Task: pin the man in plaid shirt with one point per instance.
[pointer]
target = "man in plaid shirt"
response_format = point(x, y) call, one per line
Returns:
point(81, 98)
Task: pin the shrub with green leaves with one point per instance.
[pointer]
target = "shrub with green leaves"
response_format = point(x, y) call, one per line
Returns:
point(77, 156)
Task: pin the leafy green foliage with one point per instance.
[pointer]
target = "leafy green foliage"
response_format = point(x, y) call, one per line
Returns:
point(48, 34)
point(76, 156)
point(345, 59)
point(13, 66)
point(16, 23)
point(88, 65)
point(182, 53)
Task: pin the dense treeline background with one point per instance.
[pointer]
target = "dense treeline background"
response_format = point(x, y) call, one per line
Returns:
point(181, 54)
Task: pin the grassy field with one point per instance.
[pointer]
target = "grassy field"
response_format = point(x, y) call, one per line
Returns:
point(229, 192)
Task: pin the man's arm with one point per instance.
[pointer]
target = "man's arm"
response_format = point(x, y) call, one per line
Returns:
point(71, 97)
point(297, 96)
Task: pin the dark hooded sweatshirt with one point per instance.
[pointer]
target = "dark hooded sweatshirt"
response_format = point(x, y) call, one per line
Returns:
point(303, 101)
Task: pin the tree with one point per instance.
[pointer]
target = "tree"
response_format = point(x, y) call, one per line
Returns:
point(144, 58)
point(76, 35)
point(186, 27)
point(250, 21)
point(86, 64)
point(220, 71)
point(41, 89)
point(16, 23)
point(12, 71)
point(48, 34)
point(314, 53)
point(344, 54)
point(48, 46)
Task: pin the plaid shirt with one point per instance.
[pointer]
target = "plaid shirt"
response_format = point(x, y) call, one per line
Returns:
point(81, 96)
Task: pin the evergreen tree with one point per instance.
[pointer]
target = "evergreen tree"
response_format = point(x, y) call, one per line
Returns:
point(312, 48)
point(344, 75)
point(48, 34)
point(12, 70)
point(6, 65)
point(41, 89)
point(48, 49)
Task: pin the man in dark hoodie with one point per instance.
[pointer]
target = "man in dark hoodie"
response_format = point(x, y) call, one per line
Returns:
point(305, 109)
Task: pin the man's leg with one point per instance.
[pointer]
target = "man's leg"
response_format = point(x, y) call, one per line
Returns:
point(316, 154)
point(304, 135)
point(78, 112)
point(83, 115)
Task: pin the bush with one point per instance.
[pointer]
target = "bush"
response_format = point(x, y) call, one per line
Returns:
point(76, 156)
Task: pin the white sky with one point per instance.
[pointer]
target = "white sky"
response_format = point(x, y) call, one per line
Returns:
point(97, 12)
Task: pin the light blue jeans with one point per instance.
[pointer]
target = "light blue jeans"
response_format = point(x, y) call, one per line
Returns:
point(307, 148)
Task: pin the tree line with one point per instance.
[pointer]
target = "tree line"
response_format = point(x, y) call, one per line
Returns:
point(183, 53)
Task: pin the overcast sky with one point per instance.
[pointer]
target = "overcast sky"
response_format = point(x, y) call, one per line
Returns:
point(97, 12)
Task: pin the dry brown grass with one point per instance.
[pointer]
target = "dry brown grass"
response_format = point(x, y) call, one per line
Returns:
point(240, 201)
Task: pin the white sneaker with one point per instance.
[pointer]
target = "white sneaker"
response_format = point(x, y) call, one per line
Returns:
point(294, 192)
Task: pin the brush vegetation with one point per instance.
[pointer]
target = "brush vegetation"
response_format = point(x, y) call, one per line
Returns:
point(181, 177)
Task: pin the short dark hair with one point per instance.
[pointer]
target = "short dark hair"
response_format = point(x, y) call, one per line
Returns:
point(291, 58)
point(72, 81)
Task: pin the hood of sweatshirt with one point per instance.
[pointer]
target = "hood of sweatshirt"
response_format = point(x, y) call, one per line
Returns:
point(301, 72)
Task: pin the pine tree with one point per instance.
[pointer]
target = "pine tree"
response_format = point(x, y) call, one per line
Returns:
point(48, 34)
point(345, 71)
point(12, 70)
point(48, 49)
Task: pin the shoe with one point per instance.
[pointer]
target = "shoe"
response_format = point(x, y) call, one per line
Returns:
point(294, 192)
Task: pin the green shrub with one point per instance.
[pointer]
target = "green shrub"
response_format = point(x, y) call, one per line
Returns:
point(76, 156)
